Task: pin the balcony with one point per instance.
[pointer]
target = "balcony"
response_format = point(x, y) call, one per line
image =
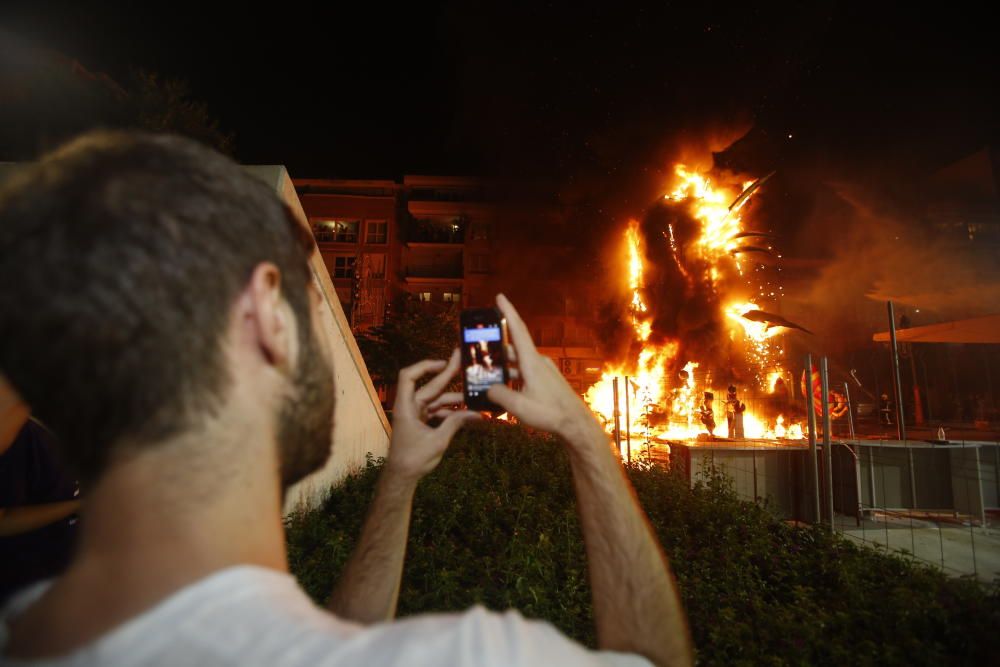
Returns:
point(336, 231)
point(417, 274)
point(449, 231)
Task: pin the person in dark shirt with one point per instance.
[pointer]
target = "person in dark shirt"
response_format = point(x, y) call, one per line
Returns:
point(734, 413)
point(885, 410)
point(38, 502)
point(707, 414)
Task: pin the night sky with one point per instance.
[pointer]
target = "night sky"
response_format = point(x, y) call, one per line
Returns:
point(555, 94)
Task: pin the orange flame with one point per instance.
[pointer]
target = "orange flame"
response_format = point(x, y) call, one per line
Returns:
point(661, 408)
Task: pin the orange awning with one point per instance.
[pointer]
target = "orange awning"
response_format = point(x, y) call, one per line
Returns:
point(976, 330)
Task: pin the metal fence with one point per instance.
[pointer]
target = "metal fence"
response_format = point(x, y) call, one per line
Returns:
point(930, 498)
point(935, 502)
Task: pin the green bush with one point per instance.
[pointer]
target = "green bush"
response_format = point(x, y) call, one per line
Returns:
point(496, 524)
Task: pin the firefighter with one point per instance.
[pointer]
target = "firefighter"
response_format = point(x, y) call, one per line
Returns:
point(734, 414)
point(707, 414)
point(884, 412)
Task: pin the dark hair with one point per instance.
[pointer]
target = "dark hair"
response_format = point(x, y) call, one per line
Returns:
point(121, 256)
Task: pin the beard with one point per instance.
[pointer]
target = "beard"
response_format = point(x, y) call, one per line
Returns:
point(305, 422)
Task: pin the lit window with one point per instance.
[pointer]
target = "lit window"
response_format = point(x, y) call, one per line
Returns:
point(336, 231)
point(425, 297)
point(376, 231)
point(346, 231)
point(452, 297)
point(343, 267)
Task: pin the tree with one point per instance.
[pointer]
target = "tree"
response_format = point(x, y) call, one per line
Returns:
point(410, 333)
point(48, 98)
point(165, 105)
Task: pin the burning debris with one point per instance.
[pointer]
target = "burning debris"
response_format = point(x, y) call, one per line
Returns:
point(697, 328)
point(739, 250)
point(748, 192)
point(772, 320)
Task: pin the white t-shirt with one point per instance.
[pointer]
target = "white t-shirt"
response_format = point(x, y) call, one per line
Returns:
point(254, 616)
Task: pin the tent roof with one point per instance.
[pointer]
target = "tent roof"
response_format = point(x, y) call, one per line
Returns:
point(976, 330)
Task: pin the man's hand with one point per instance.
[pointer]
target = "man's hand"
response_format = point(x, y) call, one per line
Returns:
point(546, 401)
point(417, 448)
point(636, 605)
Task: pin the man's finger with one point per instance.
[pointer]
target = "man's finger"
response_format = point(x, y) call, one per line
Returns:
point(523, 344)
point(407, 382)
point(449, 427)
point(513, 401)
point(511, 354)
point(440, 381)
point(448, 398)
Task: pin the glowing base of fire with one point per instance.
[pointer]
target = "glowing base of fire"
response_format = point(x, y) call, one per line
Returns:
point(645, 420)
point(752, 430)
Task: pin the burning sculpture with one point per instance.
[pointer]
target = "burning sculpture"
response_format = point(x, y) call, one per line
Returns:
point(697, 286)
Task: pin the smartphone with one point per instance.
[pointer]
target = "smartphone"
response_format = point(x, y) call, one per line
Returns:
point(483, 342)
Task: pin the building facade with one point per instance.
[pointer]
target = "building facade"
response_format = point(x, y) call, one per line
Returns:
point(356, 225)
point(443, 241)
point(429, 237)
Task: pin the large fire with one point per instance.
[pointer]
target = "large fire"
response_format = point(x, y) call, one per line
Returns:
point(656, 406)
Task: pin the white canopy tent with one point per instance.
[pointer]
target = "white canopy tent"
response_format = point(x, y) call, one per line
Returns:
point(976, 330)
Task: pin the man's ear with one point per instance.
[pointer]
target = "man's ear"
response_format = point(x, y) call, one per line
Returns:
point(268, 316)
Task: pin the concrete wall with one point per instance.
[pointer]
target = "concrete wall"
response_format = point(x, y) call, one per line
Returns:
point(966, 480)
point(962, 479)
point(766, 475)
point(845, 479)
point(989, 468)
point(891, 468)
point(360, 425)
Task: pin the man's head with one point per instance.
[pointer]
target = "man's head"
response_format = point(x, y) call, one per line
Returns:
point(124, 261)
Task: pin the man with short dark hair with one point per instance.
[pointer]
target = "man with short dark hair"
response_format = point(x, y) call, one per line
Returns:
point(156, 304)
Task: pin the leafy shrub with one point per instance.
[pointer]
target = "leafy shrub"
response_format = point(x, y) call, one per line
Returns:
point(496, 524)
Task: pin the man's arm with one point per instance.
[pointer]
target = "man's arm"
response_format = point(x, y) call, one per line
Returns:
point(636, 605)
point(18, 520)
point(368, 589)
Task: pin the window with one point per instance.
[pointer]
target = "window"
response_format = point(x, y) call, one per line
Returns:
point(373, 266)
point(343, 266)
point(376, 231)
point(452, 297)
point(425, 297)
point(336, 231)
point(480, 231)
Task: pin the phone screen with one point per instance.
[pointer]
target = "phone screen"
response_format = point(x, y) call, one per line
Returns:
point(483, 355)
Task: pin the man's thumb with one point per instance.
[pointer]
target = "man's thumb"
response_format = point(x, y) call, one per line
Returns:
point(449, 427)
